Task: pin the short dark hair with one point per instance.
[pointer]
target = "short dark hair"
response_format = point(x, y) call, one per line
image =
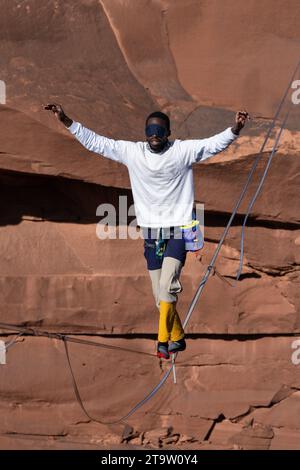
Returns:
point(160, 115)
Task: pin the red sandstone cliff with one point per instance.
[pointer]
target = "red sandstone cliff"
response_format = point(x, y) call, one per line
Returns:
point(110, 63)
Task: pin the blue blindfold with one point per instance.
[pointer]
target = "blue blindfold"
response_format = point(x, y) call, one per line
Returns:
point(155, 129)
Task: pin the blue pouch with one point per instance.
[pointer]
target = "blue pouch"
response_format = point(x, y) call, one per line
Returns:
point(192, 236)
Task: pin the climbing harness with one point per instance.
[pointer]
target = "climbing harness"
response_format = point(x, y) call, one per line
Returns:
point(160, 244)
point(190, 233)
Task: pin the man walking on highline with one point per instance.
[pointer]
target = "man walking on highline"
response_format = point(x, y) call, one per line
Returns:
point(161, 179)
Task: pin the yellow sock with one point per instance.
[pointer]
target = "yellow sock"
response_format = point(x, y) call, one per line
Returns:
point(166, 320)
point(177, 331)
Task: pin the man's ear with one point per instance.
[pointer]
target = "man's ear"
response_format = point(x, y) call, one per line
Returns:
point(169, 133)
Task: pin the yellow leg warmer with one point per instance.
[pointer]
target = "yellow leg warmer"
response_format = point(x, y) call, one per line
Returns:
point(177, 332)
point(169, 323)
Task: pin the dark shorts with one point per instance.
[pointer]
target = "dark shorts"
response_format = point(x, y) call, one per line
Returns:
point(175, 248)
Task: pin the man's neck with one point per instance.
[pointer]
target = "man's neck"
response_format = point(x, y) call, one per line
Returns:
point(161, 150)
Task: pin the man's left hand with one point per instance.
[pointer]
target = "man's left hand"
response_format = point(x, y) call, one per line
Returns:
point(240, 119)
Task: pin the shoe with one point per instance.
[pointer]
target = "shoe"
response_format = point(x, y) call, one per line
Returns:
point(162, 350)
point(176, 346)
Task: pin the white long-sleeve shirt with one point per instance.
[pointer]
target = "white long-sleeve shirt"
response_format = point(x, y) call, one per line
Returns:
point(162, 183)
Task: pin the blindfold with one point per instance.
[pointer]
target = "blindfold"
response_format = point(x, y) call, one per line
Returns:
point(155, 129)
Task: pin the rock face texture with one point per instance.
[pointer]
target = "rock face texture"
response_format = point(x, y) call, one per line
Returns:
point(110, 63)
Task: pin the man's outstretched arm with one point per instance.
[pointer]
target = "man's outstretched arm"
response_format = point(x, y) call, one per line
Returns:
point(116, 150)
point(199, 150)
point(221, 141)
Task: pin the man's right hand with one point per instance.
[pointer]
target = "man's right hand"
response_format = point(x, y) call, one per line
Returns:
point(59, 113)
